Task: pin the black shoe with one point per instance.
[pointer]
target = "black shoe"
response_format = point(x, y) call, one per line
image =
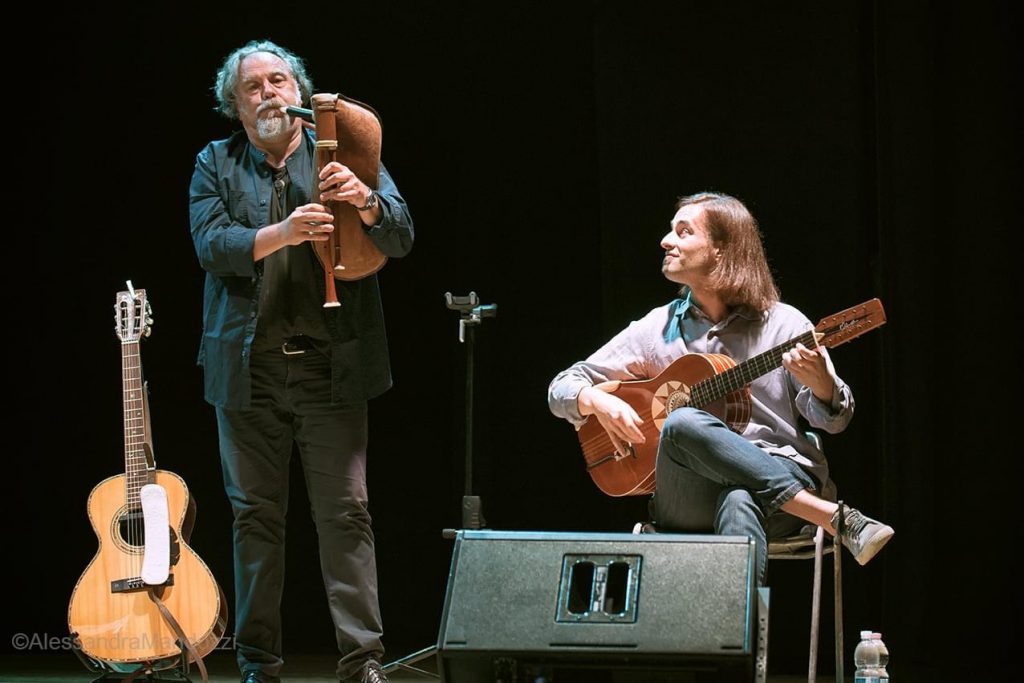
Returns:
point(259, 677)
point(370, 673)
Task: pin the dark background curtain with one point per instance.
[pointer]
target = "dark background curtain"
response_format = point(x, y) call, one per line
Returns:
point(541, 148)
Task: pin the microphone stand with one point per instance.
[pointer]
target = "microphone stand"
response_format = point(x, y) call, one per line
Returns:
point(472, 314)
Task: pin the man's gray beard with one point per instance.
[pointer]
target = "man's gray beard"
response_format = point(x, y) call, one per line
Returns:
point(270, 128)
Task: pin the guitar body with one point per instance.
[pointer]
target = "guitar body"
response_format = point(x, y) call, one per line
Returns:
point(126, 629)
point(653, 400)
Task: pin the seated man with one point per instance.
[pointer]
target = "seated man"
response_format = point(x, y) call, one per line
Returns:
point(770, 480)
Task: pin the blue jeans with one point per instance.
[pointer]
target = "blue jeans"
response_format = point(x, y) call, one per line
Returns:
point(711, 479)
point(291, 406)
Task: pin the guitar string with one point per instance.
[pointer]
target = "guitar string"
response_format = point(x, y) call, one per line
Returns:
point(735, 378)
point(125, 380)
point(131, 526)
point(136, 503)
point(138, 436)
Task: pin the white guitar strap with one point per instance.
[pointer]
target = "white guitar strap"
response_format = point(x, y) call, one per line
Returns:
point(156, 557)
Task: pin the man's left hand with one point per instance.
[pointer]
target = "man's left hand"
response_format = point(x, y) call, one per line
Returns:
point(810, 369)
point(339, 183)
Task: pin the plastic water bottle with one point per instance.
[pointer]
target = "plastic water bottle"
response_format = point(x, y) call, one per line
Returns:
point(866, 658)
point(883, 657)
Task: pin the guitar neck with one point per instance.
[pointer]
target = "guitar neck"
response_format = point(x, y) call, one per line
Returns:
point(735, 378)
point(136, 435)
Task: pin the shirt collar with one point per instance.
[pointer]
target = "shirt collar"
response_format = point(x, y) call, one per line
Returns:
point(684, 306)
point(259, 157)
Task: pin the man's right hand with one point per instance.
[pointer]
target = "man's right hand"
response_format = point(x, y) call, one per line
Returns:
point(307, 223)
point(617, 417)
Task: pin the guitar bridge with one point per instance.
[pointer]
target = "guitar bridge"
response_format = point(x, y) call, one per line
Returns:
point(135, 583)
point(614, 456)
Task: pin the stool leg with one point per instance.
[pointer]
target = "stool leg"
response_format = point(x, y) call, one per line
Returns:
point(812, 659)
point(837, 581)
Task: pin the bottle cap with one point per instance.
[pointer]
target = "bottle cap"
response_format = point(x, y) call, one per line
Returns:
point(865, 635)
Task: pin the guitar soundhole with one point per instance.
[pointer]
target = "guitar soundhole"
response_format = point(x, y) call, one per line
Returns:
point(679, 399)
point(131, 528)
point(667, 397)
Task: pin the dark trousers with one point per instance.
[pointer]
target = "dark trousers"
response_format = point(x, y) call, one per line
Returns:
point(291, 404)
point(712, 479)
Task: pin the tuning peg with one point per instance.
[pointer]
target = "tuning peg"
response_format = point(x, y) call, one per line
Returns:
point(149, 320)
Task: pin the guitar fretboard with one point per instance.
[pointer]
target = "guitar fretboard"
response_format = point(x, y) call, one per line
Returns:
point(135, 465)
point(735, 378)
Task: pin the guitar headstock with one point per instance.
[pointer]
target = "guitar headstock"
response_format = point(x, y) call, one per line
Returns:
point(849, 324)
point(133, 315)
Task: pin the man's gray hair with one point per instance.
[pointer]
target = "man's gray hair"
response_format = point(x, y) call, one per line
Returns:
point(227, 76)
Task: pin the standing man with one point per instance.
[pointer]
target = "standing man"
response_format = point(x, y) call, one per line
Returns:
point(769, 480)
point(282, 370)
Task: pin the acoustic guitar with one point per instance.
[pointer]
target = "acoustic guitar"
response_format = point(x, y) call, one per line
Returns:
point(710, 381)
point(146, 601)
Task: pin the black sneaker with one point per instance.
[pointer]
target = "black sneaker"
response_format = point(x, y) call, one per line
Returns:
point(861, 535)
point(370, 673)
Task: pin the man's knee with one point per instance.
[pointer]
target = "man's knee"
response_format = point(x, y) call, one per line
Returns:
point(684, 425)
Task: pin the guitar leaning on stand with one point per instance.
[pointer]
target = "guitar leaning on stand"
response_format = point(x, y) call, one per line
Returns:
point(146, 602)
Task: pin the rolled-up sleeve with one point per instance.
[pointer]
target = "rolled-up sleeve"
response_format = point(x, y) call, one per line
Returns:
point(833, 416)
point(393, 235)
point(627, 356)
point(566, 387)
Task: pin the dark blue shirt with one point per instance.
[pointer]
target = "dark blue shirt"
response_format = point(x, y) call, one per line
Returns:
point(229, 200)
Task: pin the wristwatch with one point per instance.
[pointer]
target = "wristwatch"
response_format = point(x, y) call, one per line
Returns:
point(371, 202)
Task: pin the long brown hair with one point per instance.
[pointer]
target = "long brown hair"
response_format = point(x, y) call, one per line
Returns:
point(742, 276)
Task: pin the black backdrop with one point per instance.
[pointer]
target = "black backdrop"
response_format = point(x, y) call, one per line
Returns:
point(541, 148)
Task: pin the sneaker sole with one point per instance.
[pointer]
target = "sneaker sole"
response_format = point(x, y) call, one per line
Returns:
point(874, 545)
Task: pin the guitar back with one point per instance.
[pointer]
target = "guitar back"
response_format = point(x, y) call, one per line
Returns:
point(126, 629)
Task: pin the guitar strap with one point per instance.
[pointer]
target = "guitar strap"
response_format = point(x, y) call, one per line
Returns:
point(153, 590)
point(176, 627)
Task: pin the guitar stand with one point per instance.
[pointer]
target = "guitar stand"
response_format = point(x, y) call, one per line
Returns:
point(472, 314)
point(178, 673)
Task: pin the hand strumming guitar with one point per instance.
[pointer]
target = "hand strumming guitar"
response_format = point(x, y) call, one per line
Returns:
point(616, 416)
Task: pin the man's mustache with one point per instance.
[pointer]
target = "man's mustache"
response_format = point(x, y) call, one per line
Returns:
point(270, 104)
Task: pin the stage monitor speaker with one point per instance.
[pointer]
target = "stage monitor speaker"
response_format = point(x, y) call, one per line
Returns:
point(561, 607)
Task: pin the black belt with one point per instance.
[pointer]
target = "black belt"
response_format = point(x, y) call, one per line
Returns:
point(296, 346)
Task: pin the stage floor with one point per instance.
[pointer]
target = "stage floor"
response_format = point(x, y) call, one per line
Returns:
point(65, 668)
